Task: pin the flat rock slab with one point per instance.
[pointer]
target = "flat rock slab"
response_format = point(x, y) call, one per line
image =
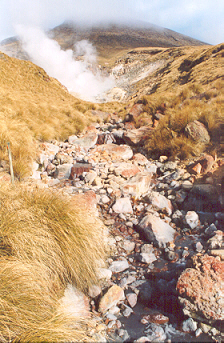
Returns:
point(156, 230)
point(87, 141)
point(123, 205)
point(119, 266)
point(116, 152)
point(127, 170)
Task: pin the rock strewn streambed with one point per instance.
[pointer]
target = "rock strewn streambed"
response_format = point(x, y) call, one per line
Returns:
point(164, 278)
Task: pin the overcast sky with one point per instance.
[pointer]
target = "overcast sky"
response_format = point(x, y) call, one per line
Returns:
point(200, 19)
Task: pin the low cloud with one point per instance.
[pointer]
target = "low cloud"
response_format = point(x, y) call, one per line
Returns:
point(78, 76)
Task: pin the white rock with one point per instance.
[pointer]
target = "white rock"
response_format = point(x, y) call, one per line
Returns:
point(132, 299)
point(119, 266)
point(160, 202)
point(189, 325)
point(94, 291)
point(104, 273)
point(147, 258)
point(122, 205)
point(156, 230)
point(127, 312)
point(105, 199)
point(128, 245)
point(192, 219)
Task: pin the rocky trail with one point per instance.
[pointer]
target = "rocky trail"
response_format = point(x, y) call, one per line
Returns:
point(164, 275)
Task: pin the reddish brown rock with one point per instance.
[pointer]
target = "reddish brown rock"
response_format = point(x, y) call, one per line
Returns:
point(196, 169)
point(88, 198)
point(79, 168)
point(127, 170)
point(206, 162)
point(201, 289)
point(137, 136)
point(136, 110)
point(156, 317)
point(140, 159)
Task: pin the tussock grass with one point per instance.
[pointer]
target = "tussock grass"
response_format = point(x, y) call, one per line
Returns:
point(192, 102)
point(34, 106)
point(46, 242)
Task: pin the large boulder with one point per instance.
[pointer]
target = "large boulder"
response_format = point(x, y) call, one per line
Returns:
point(198, 132)
point(201, 289)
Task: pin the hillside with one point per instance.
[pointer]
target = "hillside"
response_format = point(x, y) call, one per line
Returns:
point(40, 107)
point(34, 106)
point(110, 41)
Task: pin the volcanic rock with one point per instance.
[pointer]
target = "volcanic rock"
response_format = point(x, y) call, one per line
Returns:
point(201, 289)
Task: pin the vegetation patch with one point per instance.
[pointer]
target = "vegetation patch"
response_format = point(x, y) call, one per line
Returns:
point(47, 241)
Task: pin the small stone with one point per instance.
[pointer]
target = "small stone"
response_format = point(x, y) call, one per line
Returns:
point(111, 298)
point(163, 159)
point(94, 291)
point(127, 312)
point(111, 324)
point(147, 258)
point(156, 230)
point(119, 266)
point(97, 182)
point(189, 325)
point(192, 219)
point(111, 316)
point(132, 299)
point(104, 273)
point(123, 334)
point(105, 199)
point(205, 328)
point(115, 310)
point(187, 185)
point(109, 222)
point(199, 247)
point(129, 246)
point(198, 332)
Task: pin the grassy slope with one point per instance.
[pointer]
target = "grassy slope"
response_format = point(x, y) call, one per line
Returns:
point(190, 81)
point(34, 106)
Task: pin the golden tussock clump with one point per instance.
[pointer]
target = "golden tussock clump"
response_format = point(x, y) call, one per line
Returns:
point(192, 102)
point(46, 243)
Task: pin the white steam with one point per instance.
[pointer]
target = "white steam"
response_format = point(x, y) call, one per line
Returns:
point(76, 75)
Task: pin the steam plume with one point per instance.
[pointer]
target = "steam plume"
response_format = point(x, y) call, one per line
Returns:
point(74, 74)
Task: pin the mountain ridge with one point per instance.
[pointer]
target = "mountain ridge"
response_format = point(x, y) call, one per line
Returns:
point(108, 41)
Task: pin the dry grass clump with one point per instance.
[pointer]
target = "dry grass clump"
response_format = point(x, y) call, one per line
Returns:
point(46, 242)
point(192, 102)
point(34, 106)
